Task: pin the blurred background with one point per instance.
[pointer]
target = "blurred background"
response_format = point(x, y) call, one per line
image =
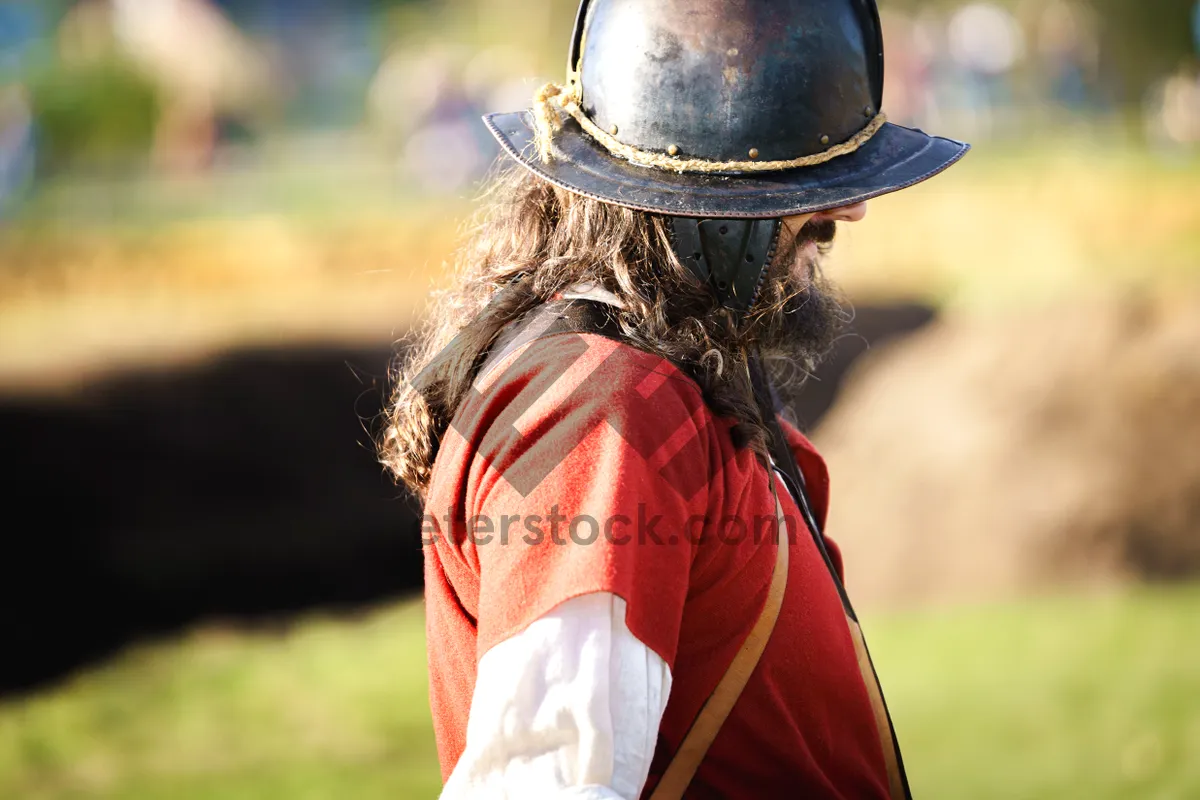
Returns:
point(218, 219)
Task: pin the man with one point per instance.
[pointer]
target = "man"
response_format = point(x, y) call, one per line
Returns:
point(628, 592)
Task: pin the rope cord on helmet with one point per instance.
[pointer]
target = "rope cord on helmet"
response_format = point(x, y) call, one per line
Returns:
point(553, 99)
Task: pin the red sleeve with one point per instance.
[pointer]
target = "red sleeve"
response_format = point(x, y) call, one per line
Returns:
point(586, 476)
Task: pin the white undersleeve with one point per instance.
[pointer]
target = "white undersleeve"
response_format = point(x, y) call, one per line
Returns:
point(568, 708)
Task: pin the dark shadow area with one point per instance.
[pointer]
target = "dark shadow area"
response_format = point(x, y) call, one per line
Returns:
point(243, 488)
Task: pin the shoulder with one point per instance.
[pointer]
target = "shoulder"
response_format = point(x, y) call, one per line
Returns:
point(583, 355)
point(588, 409)
point(583, 378)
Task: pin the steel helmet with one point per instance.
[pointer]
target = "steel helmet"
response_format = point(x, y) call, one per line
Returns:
point(727, 115)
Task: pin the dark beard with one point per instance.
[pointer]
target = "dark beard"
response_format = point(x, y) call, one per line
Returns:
point(799, 316)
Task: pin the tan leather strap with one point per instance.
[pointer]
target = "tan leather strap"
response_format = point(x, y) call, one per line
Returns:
point(716, 709)
point(883, 726)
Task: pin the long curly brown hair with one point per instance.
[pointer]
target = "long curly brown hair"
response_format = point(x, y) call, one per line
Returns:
point(531, 240)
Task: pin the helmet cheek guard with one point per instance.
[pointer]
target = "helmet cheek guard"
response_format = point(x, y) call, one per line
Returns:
point(730, 256)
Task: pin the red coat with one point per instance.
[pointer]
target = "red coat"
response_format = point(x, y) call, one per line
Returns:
point(585, 465)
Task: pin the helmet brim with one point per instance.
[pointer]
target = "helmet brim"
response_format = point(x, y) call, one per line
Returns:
point(894, 158)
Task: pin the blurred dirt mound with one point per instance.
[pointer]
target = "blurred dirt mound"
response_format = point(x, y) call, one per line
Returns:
point(983, 458)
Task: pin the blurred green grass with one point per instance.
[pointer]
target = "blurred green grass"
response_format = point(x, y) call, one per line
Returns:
point(1085, 697)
